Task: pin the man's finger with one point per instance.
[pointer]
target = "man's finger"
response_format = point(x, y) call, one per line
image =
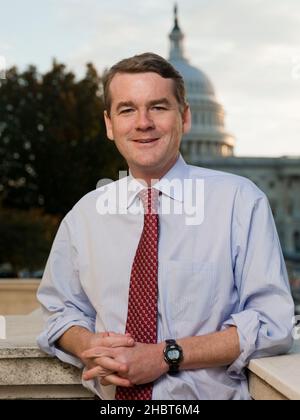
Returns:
point(105, 363)
point(119, 341)
point(113, 334)
point(106, 344)
point(102, 334)
point(94, 352)
point(112, 365)
point(103, 381)
point(94, 373)
point(115, 380)
point(116, 341)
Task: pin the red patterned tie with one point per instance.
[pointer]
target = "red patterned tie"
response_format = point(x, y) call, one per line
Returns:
point(142, 303)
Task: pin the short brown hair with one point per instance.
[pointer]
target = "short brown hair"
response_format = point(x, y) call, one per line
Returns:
point(144, 63)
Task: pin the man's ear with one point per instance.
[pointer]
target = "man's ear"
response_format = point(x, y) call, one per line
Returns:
point(108, 125)
point(186, 119)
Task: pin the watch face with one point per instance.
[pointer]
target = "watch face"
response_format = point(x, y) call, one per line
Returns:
point(173, 354)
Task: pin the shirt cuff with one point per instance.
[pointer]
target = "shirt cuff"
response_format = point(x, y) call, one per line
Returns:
point(248, 325)
point(55, 329)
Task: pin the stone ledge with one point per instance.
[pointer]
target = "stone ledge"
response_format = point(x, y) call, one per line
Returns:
point(276, 377)
point(28, 373)
point(18, 296)
point(33, 371)
point(261, 390)
point(44, 392)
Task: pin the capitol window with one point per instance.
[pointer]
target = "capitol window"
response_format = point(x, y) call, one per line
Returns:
point(297, 241)
point(290, 208)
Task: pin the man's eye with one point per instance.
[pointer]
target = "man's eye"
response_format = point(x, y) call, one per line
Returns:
point(159, 108)
point(126, 110)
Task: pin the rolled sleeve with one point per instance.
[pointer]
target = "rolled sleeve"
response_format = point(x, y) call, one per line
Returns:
point(56, 326)
point(266, 309)
point(64, 302)
point(248, 327)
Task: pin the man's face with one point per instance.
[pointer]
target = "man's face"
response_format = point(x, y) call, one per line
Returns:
point(145, 122)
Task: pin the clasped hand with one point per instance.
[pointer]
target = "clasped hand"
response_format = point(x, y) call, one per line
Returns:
point(116, 359)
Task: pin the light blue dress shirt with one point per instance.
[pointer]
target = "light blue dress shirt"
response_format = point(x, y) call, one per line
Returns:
point(218, 267)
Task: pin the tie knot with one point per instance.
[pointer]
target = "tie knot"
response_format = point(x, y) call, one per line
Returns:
point(149, 197)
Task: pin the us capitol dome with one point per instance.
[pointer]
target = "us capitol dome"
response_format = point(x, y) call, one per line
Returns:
point(208, 136)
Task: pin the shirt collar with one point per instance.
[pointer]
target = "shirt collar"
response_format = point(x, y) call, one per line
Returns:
point(169, 184)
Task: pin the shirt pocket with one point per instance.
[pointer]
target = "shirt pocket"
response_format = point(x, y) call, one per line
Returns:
point(191, 291)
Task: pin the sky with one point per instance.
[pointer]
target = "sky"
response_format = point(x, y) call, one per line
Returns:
point(250, 50)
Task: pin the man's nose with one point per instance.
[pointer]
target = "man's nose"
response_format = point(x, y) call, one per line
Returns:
point(144, 121)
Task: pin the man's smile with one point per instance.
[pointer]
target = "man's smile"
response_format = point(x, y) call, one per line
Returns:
point(146, 141)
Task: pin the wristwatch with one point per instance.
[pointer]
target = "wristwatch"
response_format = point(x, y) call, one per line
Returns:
point(173, 355)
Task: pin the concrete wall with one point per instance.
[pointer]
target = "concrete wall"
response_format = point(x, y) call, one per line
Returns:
point(18, 296)
point(28, 373)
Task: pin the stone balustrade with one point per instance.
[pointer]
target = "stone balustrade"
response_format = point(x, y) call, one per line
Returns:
point(18, 296)
point(28, 373)
point(276, 378)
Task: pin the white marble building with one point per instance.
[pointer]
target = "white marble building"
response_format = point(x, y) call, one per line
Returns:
point(210, 145)
point(208, 136)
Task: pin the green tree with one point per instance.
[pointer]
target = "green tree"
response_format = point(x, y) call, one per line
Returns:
point(18, 129)
point(53, 146)
point(25, 238)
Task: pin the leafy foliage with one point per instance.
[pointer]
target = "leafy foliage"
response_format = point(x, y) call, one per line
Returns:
point(26, 237)
point(53, 150)
point(53, 146)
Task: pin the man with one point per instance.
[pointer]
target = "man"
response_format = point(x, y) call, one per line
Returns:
point(126, 274)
